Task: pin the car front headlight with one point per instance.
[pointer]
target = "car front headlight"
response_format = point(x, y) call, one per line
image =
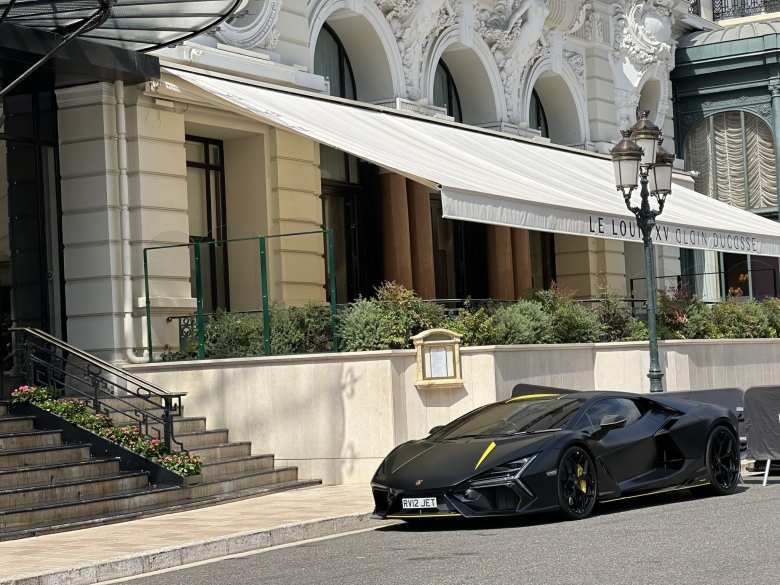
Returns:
point(504, 473)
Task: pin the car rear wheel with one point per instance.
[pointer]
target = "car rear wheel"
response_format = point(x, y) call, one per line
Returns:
point(577, 483)
point(722, 461)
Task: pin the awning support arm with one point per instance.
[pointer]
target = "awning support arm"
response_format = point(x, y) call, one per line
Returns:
point(88, 23)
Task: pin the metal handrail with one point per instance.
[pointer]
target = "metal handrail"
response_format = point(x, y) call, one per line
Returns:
point(45, 359)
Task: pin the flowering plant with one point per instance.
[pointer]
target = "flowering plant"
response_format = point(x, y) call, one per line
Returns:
point(79, 413)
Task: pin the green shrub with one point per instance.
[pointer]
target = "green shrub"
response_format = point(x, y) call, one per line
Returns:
point(387, 321)
point(698, 322)
point(570, 321)
point(314, 323)
point(771, 309)
point(477, 326)
point(741, 320)
point(522, 322)
point(638, 331)
point(232, 335)
point(616, 319)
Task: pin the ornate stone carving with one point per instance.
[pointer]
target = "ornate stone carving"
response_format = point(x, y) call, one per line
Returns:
point(577, 63)
point(513, 30)
point(415, 31)
point(253, 26)
point(642, 32)
point(568, 16)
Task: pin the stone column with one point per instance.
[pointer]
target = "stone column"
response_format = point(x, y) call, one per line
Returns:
point(521, 257)
point(423, 269)
point(395, 230)
point(501, 280)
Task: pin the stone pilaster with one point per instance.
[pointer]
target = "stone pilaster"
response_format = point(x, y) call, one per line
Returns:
point(90, 218)
point(296, 266)
point(590, 266)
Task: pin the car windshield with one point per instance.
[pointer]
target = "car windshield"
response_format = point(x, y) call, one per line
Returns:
point(519, 415)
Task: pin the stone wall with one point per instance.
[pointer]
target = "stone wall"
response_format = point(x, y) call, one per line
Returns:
point(335, 416)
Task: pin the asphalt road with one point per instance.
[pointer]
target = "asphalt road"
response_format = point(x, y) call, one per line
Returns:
point(672, 539)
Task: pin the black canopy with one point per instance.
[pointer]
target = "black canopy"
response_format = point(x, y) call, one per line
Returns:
point(139, 25)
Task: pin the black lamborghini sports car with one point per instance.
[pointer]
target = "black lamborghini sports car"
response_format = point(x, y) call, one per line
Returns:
point(540, 452)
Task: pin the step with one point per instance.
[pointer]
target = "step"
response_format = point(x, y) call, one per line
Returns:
point(30, 440)
point(229, 468)
point(222, 452)
point(255, 480)
point(16, 424)
point(201, 439)
point(79, 489)
point(49, 515)
point(40, 475)
point(183, 424)
point(174, 506)
point(43, 456)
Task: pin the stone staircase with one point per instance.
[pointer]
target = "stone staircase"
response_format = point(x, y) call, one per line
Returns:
point(47, 485)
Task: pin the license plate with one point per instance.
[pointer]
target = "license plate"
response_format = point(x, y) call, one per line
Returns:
point(419, 503)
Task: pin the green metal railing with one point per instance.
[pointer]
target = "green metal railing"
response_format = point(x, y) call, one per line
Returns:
point(197, 250)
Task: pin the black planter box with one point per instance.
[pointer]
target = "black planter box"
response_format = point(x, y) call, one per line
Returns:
point(99, 447)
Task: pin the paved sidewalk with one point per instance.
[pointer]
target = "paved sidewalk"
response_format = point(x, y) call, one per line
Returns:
point(112, 551)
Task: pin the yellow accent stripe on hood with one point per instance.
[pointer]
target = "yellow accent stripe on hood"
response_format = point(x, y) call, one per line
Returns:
point(485, 454)
point(529, 396)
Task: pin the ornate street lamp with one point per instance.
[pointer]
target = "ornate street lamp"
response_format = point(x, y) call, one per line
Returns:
point(639, 159)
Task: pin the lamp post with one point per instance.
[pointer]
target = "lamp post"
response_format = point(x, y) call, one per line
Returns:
point(640, 161)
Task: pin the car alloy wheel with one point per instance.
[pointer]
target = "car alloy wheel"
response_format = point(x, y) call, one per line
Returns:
point(723, 460)
point(576, 483)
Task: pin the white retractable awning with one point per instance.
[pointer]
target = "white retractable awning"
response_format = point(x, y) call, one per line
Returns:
point(490, 178)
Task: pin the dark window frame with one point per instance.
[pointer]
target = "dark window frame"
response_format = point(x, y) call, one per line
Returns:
point(37, 141)
point(343, 61)
point(453, 95)
point(221, 213)
point(540, 109)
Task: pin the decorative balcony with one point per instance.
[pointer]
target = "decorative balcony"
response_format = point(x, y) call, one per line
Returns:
point(723, 9)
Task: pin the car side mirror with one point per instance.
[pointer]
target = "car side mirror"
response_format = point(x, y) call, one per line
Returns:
point(611, 422)
point(435, 429)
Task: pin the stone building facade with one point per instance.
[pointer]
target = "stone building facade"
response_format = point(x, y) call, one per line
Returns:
point(152, 165)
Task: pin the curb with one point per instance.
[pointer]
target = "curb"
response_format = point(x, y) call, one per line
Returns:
point(156, 560)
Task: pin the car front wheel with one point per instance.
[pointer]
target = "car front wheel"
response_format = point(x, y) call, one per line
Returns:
point(722, 461)
point(577, 483)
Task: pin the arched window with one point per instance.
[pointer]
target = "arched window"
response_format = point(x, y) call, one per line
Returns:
point(734, 154)
point(537, 118)
point(445, 93)
point(331, 61)
point(350, 199)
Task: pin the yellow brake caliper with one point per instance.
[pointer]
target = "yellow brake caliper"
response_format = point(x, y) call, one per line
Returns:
point(581, 483)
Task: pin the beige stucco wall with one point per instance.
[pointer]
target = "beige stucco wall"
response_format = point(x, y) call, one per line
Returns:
point(335, 416)
point(590, 266)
